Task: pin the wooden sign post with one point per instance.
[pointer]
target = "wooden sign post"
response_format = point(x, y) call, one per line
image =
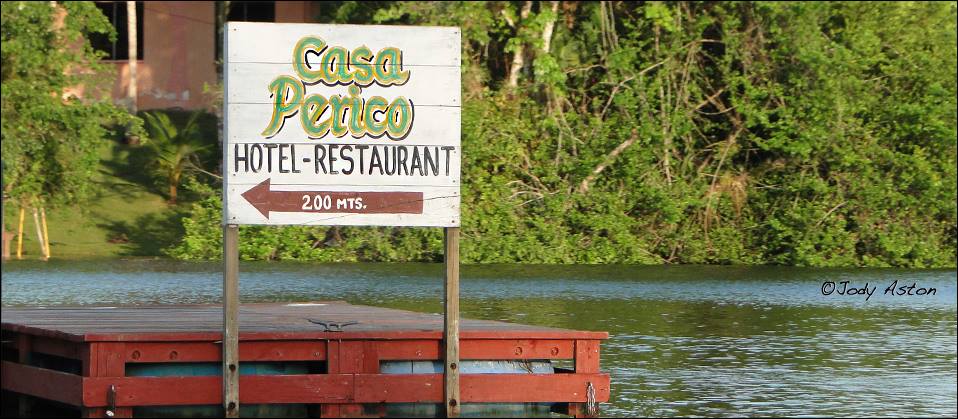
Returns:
point(231, 320)
point(450, 304)
point(341, 125)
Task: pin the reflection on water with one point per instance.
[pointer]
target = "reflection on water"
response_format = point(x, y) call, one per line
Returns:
point(685, 340)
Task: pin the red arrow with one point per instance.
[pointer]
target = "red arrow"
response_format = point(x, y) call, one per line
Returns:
point(266, 200)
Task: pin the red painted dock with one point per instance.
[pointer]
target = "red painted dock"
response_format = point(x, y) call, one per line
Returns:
point(91, 347)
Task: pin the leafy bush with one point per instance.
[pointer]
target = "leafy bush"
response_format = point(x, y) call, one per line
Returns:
point(799, 133)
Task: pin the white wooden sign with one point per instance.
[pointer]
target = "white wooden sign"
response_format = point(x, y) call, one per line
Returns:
point(341, 125)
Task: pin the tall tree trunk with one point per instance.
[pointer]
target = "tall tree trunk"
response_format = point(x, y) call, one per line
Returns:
point(20, 233)
point(547, 31)
point(174, 183)
point(519, 59)
point(36, 222)
point(548, 28)
point(664, 118)
point(46, 232)
point(132, 52)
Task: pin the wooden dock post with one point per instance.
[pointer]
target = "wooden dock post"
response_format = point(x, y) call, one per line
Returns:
point(105, 360)
point(451, 323)
point(231, 320)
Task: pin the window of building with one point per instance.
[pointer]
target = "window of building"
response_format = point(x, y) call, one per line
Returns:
point(252, 11)
point(115, 12)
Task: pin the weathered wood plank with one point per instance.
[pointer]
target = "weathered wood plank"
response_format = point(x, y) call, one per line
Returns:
point(586, 356)
point(516, 349)
point(259, 322)
point(43, 383)
point(346, 388)
point(292, 350)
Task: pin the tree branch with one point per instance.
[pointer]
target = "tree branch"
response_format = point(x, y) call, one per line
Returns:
point(609, 159)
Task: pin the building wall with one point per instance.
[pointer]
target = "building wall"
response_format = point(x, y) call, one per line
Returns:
point(180, 52)
point(295, 11)
point(178, 57)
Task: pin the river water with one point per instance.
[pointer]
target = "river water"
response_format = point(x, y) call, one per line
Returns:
point(685, 340)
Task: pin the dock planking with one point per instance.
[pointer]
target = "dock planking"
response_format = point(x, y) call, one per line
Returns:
point(101, 342)
point(258, 321)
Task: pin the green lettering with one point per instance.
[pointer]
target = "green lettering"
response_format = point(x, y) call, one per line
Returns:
point(388, 69)
point(375, 104)
point(313, 108)
point(339, 106)
point(356, 69)
point(337, 66)
point(360, 61)
point(287, 93)
point(399, 118)
point(356, 128)
point(301, 64)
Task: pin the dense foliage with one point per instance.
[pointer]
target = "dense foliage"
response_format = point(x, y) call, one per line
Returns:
point(50, 136)
point(798, 133)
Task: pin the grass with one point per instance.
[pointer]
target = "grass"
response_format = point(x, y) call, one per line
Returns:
point(128, 216)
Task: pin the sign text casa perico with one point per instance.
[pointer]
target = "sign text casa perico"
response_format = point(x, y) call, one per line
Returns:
point(342, 125)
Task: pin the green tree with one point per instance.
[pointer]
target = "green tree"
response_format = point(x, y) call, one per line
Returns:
point(49, 135)
point(175, 149)
point(797, 133)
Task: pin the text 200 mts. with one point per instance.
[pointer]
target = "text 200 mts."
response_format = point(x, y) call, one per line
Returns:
point(320, 202)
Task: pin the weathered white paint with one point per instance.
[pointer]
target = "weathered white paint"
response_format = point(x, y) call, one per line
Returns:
point(256, 42)
point(259, 52)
